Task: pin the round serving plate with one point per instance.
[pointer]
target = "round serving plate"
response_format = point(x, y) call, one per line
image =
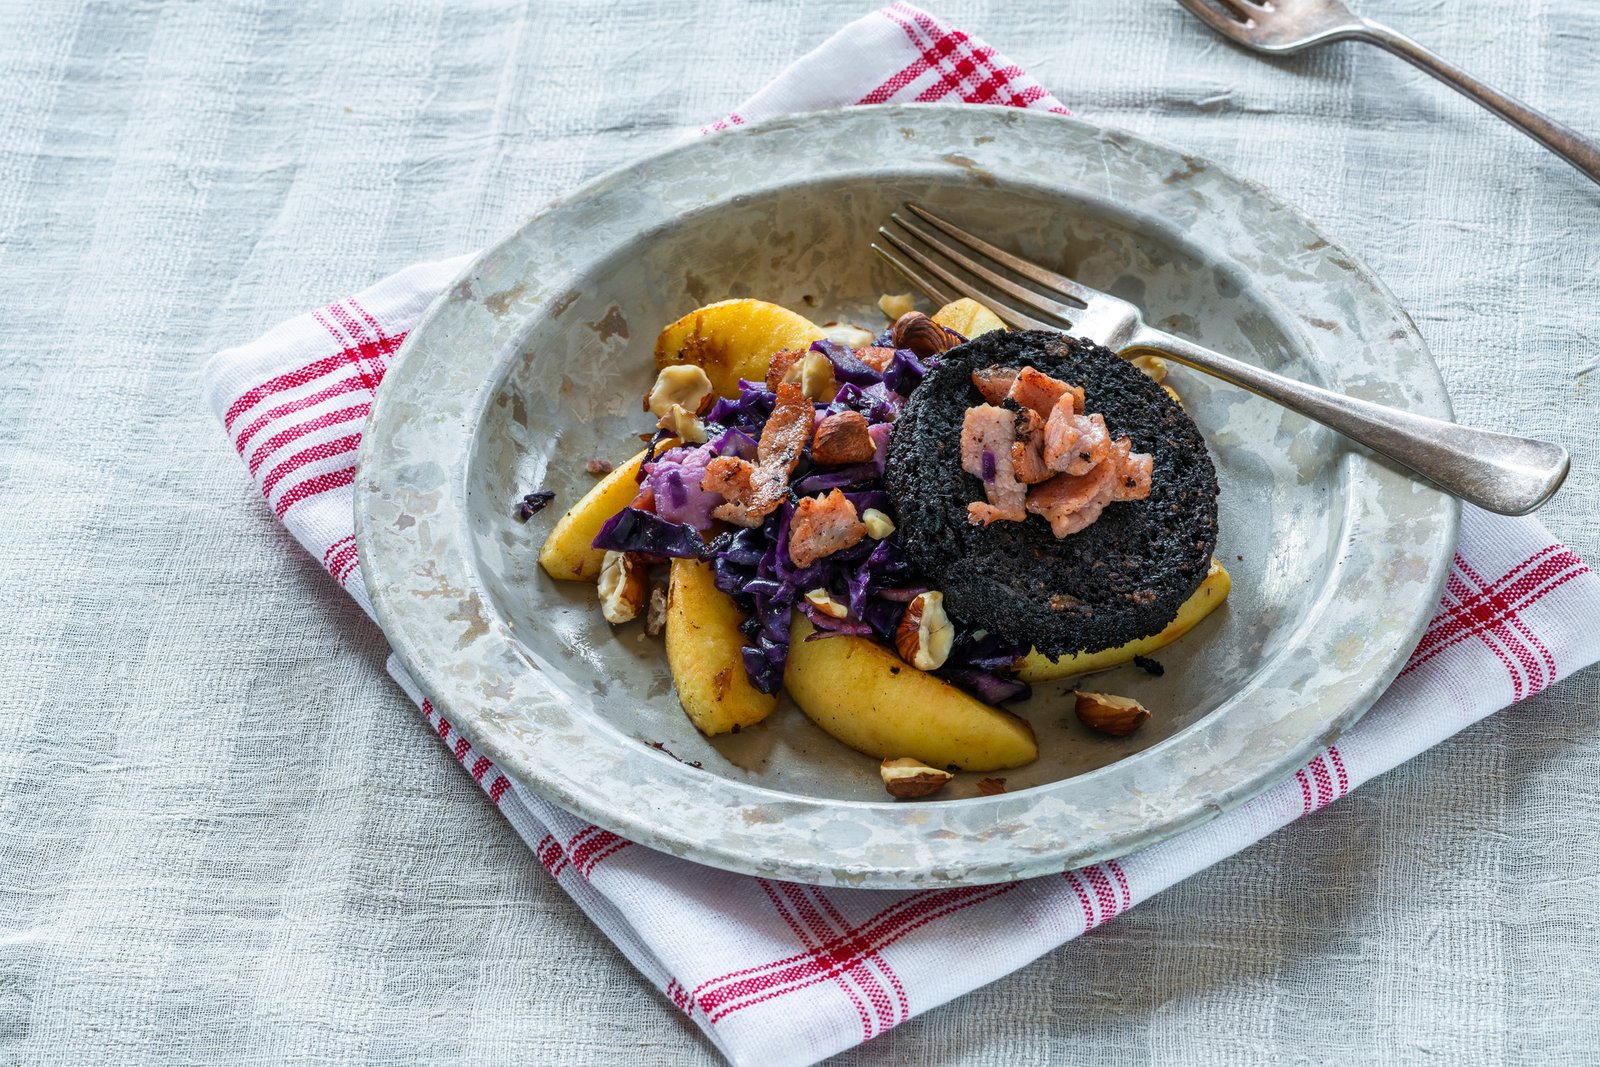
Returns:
point(533, 362)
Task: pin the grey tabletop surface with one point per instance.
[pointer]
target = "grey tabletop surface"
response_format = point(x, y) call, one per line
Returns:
point(224, 833)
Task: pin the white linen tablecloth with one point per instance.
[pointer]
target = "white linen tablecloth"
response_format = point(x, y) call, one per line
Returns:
point(181, 882)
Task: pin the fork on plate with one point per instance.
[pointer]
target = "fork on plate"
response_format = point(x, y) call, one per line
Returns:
point(1282, 26)
point(1497, 471)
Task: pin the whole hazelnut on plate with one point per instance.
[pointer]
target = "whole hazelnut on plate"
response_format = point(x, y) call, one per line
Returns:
point(921, 335)
point(842, 439)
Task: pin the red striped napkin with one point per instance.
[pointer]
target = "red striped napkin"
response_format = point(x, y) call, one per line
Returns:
point(781, 974)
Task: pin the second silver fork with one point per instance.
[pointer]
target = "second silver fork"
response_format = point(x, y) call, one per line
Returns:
point(1500, 472)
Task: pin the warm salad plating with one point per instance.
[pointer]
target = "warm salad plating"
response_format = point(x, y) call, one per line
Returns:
point(766, 492)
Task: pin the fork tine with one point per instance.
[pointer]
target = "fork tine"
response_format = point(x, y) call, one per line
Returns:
point(1242, 8)
point(933, 292)
point(1010, 315)
point(1229, 28)
point(1047, 278)
point(1026, 297)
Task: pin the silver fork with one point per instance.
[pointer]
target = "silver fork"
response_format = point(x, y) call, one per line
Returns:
point(1282, 26)
point(1497, 471)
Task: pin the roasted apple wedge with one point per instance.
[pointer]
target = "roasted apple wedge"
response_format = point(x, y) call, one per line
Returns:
point(968, 318)
point(734, 339)
point(706, 653)
point(872, 700)
point(568, 553)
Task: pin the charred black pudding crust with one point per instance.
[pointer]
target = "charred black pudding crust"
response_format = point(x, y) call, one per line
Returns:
point(1122, 578)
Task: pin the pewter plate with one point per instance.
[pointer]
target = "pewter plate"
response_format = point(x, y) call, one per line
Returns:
point(534, 360)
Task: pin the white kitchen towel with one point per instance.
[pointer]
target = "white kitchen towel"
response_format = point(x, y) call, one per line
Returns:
point(780, 974)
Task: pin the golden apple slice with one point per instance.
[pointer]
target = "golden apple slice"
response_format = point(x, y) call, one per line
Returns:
point(968, 318)
point(704, 650)
point(734, 339)
point(568, 554)
point(872, 700)
point(1202, 602)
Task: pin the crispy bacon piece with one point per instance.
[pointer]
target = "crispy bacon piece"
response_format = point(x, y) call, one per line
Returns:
point(1071, 502)
point(823, 525)
point(876, 357)
point(995, 382)
point(780, 365)
point(1027, 455)
point(736, 480)
point(842, 438)
point(1038, 391)
point(730, 476)
point(1074, 443)
point(1077, 398)
point(754, 491)
point(786, 432)
point(987, 434)
point(1133, 471)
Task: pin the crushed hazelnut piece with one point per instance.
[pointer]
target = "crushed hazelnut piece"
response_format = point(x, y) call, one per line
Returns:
point(680, 385)
point(925, 633)
point(824, 602)
point(684, 424)
point(622, 587)
point(816, 377)
point(655, 619)
point(1114, 715)
point(906, 778)
point(877, 523)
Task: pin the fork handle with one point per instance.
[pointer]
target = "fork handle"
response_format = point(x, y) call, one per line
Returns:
point(1496, 471)
point(1566, 143)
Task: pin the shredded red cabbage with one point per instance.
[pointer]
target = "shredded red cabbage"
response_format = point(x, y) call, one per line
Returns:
point(633, 530)
point(650, 450)
point(846, 366)
point(675, 478)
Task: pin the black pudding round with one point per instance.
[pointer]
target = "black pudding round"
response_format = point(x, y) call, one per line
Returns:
point(1120, 579)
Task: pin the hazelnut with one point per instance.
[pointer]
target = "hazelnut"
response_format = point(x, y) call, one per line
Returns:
point(925, 633)
point(1154, 366)
point(823, 602)
point(1117, 716)
point(680, 385)
point(655, 619)
point(623, 587)
point(921, 335)
point(877, 523)
point(816, 377)
point(842, 439)
point(684, 424)
point(847, 335)
point(905, 778)
point(991, 787)
point(893, 305)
